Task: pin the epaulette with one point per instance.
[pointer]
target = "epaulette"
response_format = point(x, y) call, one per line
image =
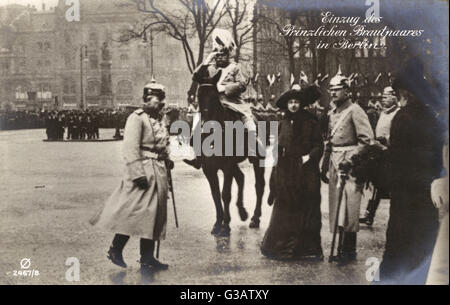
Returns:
point(139, 111)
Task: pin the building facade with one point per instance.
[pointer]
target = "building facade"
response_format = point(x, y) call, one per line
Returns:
point(48, 62)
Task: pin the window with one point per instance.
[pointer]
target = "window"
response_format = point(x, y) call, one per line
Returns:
point(302, 51)
point(67, 37)
point(21, 93)
point(68, 86)
point(93, 41)
point(362, 52)
point(69, 61)
point(47, 66)
point(124, 87)
point(20, 48)
point(380, 42)
point(124, 60)
point(44, 91)
point(93, 61)
point(21, 65)
point(4, 68)
point(40, 46)
point(93, 88)
point(365, 51)
point(47, 46)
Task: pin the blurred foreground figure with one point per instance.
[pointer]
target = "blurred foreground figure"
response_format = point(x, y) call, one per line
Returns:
point(438, 274)
point(415, 157)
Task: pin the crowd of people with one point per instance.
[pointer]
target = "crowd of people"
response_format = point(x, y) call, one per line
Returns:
point(68, 124)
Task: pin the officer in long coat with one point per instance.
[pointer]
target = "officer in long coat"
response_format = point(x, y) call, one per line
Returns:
point(348, 131)
point(138, 207)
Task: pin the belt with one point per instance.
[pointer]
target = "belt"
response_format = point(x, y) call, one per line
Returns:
point(344, 148)
point(149, 153)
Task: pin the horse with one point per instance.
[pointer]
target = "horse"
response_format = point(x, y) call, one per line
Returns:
point(212, 109)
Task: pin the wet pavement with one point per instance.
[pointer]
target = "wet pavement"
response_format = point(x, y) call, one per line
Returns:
point(49, 191)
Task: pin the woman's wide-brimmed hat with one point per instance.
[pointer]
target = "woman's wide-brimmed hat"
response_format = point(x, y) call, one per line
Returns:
point(306, 96)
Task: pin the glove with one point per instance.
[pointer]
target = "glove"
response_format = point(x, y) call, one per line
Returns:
point(141, 183)
point(169, 164)
point(210, 58)
point(305, 159)
point(220, 88)
point(439, 192)
point(323, 177)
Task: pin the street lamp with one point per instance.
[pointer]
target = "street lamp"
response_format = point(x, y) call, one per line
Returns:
point(83, 57)
point(145, 42)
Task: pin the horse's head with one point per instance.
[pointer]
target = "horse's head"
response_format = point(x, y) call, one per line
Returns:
point(208, 97)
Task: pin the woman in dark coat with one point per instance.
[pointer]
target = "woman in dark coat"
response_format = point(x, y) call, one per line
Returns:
point(294, 229)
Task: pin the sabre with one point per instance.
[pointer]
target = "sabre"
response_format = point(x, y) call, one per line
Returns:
point(344, 169)
point(172, 193)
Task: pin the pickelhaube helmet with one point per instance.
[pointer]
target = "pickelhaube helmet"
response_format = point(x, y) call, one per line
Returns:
point(388, 91)
point(296, 87)
point(339, 81)
point(153, 88)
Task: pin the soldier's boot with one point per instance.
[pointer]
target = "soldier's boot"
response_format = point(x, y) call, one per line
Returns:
point(348, 248)
point(371, 209)
point(148, 261)
point(368, 218)
point(369, 215)
point(116, 249)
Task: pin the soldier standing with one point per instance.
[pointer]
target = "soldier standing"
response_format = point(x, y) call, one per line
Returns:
point(382, 134)
point(348, 131)
point(138, 207)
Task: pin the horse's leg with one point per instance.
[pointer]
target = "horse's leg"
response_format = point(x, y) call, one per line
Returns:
point(226, 197)
point(213, 179)
point(240, 180)
point(259, 186)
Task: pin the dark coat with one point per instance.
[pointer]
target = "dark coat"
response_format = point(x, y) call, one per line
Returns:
point(295, 224)
point(415, 160)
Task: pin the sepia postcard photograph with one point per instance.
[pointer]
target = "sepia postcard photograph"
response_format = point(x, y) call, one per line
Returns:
point(227, 148)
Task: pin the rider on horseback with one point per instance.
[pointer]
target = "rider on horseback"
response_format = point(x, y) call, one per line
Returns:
point(230, 85)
